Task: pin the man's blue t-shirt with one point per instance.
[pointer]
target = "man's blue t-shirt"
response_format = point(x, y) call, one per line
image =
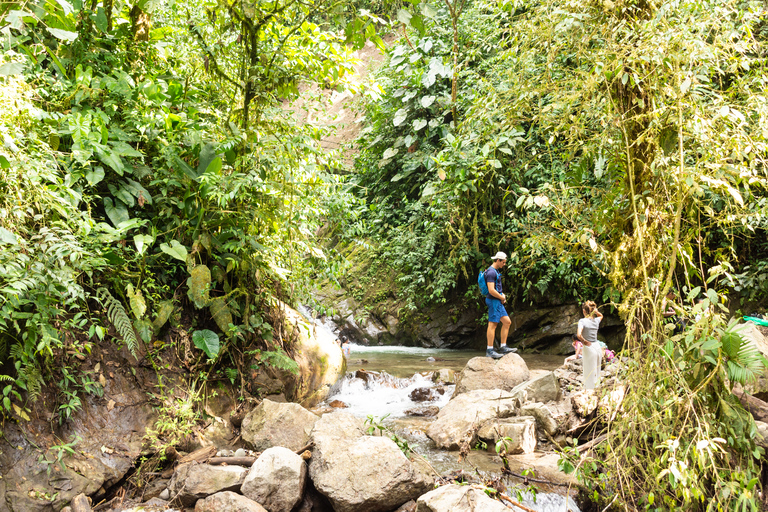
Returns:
point(492, 275)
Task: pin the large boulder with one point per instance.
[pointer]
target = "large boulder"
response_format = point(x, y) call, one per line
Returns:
point(545, 417)
point(468, 411)
point(192, 482)
point(228, 501)
point(488, 373)
point(358, 472)
point(458, 498)
point(518, 432)
point(276, 480)
point(321, 362)
point(543, 386)
point(278, 424)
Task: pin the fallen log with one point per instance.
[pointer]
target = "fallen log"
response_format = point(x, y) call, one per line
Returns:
point(755, 406)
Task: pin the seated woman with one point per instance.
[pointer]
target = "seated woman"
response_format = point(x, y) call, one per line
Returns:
point(576, 345)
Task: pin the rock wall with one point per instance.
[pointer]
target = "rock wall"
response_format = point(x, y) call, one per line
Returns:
point(459, 324)
point(321, 362)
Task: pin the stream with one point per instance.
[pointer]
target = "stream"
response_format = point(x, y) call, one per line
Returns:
point(385, 397)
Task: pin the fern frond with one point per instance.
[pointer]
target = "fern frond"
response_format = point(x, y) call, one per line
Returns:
point(34, 381)
point(119, 318)
point(6, 378)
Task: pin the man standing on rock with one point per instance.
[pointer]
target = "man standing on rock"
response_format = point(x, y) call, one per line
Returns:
point(496, 312)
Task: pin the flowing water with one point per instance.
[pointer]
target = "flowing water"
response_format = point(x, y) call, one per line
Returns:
point(393, 373)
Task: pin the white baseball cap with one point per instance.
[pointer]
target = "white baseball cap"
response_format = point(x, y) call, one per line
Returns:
point(499, 256)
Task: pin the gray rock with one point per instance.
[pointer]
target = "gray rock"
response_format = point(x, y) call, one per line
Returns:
point(278, 424)
point(545, 417)
point(192, 482)
point(357, 472)
point(240, 453)
point(488, 373)
point(228, 501)
point(458, 498)
point(762, 434)
point(165, 495)
point(276, 480)
point(519, 433)
point(543, 386)
point(464, 413)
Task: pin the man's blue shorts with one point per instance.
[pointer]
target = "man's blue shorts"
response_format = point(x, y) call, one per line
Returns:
point(495, 310)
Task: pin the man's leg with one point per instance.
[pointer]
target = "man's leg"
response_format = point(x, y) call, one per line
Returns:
point(491, 334)
point(505, 323)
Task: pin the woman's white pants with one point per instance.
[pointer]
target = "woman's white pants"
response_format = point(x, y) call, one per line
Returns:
point(592, 357)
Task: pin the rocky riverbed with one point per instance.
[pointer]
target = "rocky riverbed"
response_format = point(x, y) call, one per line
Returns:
point(327, 459)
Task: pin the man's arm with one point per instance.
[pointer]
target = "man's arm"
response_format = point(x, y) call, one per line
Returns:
point(493, 293)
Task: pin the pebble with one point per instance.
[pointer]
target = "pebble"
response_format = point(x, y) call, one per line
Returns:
point(240, 453)
point(165, 494)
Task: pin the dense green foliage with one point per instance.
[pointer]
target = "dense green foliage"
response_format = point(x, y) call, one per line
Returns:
point(149, 177)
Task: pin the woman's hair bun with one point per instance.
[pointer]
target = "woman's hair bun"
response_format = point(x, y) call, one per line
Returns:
point(589, 306)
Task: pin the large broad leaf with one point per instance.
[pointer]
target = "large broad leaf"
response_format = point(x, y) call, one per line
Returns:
point(138, 304)
point(221, 313)
point(175, 250)
point(426, 101)
point(142, 242)
point(186, 169)
point(163, 314)
point(207, 341)
point(116, 211)
point(64, 35)
point(207, 155)
point(199, 284)
point(11, 68)
point(418, 124)
point(400, 116)
point(7, 237)
point(390, 152)
point(135, 189)
point(95, 175)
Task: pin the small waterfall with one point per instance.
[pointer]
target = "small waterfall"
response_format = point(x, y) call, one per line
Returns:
point(379, 393)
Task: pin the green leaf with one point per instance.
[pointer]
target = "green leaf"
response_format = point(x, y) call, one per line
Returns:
point(207, 155)
point(400, 116)
point(221, 313)
point(426, 101)
point(199, 284)
point(8, 237)
point(186, 169)
point(144, 328)
point(142, 242)
point(163, 314)
point(418, 124)
point(11, 68)
point(135, 189)
point(138, 304)
point(175, 250)
point(101, 20)
point(64, 35)
point(207, 341)
point(116, 211)
point(95, 175)
point(214, 167)
point(404, 16)
point(427, 10)
point(4, 163)
point(390, 152)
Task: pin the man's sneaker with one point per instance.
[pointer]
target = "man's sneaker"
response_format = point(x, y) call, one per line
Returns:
point(506, 350)
point(492, 353)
